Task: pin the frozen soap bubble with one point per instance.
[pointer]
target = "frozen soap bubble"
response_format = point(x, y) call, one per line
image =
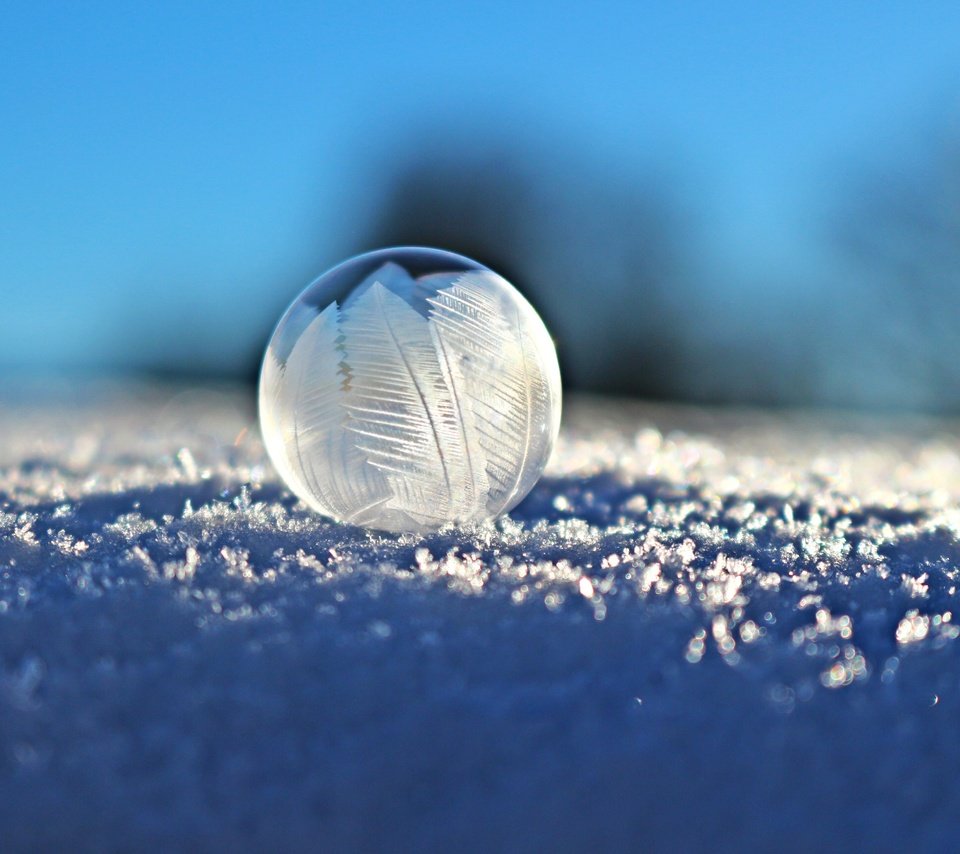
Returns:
point(407, 389)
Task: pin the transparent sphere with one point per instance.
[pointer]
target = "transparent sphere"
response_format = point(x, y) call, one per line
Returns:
point(407, 389)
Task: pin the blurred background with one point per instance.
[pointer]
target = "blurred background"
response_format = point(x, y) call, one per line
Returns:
point(715, 202)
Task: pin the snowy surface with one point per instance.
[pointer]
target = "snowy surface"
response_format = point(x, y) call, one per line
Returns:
point(700, 631)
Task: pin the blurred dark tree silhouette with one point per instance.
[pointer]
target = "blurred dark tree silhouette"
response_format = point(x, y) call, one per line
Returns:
point(898, 235)
point(599, 255)
point(614, 257)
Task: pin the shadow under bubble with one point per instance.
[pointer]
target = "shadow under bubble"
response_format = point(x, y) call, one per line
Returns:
point(599, 499)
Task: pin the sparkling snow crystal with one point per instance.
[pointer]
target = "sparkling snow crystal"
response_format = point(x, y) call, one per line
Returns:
point(699, 631)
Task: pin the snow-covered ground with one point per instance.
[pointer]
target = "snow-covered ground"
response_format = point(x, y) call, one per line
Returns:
point(700, 631)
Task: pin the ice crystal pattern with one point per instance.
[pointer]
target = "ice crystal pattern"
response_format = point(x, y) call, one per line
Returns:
point(414, 403)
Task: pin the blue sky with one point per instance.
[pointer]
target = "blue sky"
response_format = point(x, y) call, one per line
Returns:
point(173, 173)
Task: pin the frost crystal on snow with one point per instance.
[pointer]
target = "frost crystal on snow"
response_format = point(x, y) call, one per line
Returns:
point(177, 630)
point(409, 389)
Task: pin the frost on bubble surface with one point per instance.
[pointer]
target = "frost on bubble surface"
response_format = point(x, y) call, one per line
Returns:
point(407, 403)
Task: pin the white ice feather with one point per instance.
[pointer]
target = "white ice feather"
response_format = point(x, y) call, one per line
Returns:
point(332, 468)
point(503, 383)
point(402, 410)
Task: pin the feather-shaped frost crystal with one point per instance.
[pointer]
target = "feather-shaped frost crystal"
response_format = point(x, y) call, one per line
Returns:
point(409, 389)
